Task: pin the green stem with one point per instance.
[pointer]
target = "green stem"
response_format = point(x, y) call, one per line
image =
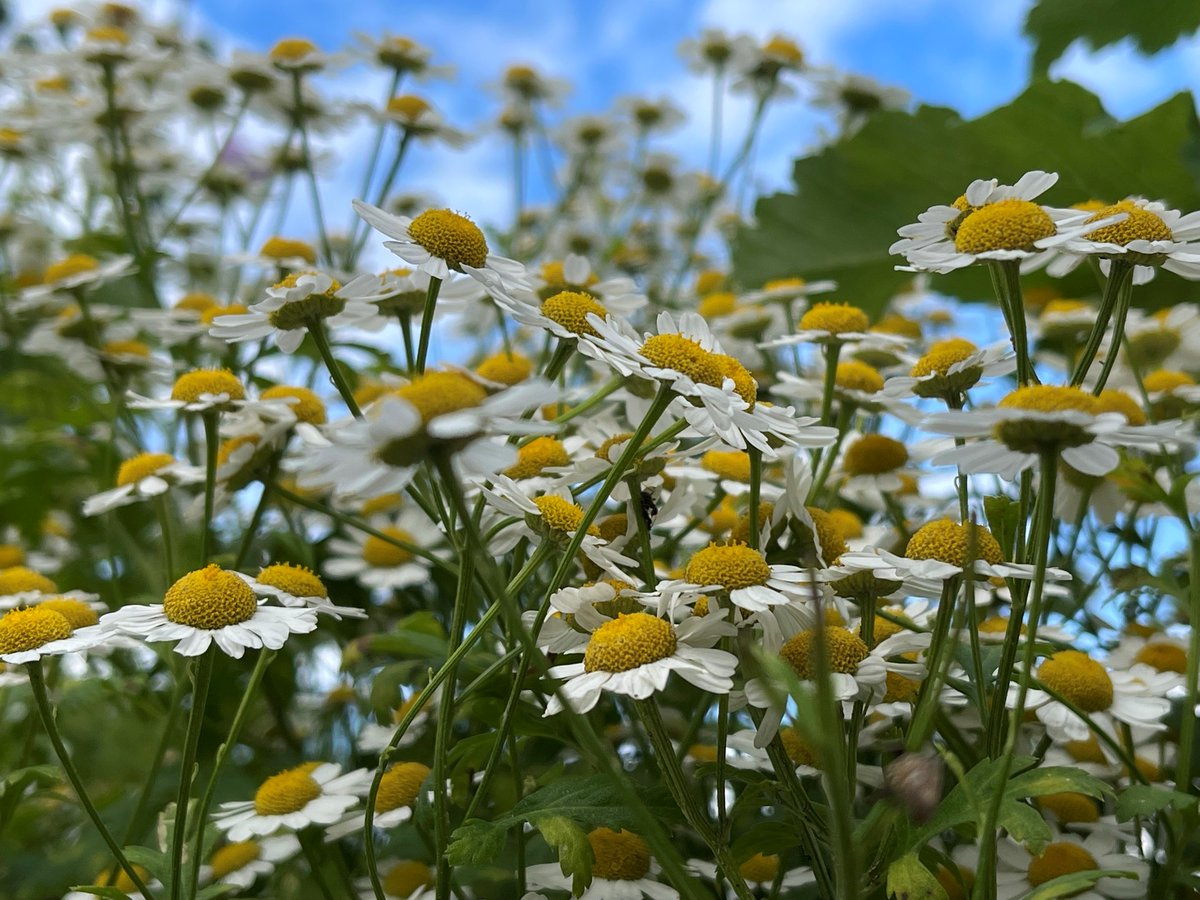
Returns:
point(201, 672)
point(753, 511)
point(259, 510)
point(1006, 280)
point(164, 522)
point(212, 444)
point(313, 188)
point(643, 529)
point(312, 853)
point(37, 684)
point(1124, 295)
point(1120, 278)
point(317, 329)
point(1187, 730)
point(929, 697)
point(431, 295)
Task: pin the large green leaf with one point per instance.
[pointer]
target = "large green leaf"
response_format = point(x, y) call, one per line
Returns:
point(852, 196)
point(1151, 24)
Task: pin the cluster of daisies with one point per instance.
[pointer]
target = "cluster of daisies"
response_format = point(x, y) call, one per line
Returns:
point(532, 565)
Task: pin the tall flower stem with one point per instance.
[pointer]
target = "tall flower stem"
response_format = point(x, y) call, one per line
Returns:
point(211, 444)
point(317, 329)
point(1124, 295)
point(1006, 281)
point(1120, 281)
point(313, 188)
point(37, 684)
point(1187, 729)
point(431, 295)
point(201, 672)
point(164, 522)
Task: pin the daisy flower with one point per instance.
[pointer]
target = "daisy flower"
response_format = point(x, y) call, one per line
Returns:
point(1019, 871)
point(281, 253)
point(143, 477)
point(243, 862)
point(1160, 651)
point(78, 272)
point(759, 871)
point(374, 737)
point(379, 564)
point(197, 391)
point(621, 870)
point(20, 585)
point(313, 793)
point(951, 367)
point(1141, 232)
point(398, 792)
point(741, 573)
point(403, 879)
point(838, 323)
point(297, 586)
point(439, 241)
point(634, 654)
point(857, 672)
point(207, 606)
point(27, 635)
point(785, 290)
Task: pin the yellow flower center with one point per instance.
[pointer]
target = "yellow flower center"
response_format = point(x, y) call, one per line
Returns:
point(300, 313)
point(741, 531)
point(405, 877)
point(308, 406)
point(288, 248)
point(1116, 400)
point(1070, 806)
point(77, 613)
point(227, 448)
point(894, 323)
point(731, 464)
point(613, 527)
point(108, 33)
point(848, 524)
point(190, 386)
point(744, 384)
point(208, 599)
point(28, 629)
point(710, 280)
point(799, 750)
point(126, 348)
point(233, 857)
point(19, 579)
point(72, 265)
point(941, 356)
point(605, 449)
point(844, 648)
point(852, 375)
point(721, 303)
point(1050, 398)
point(1037, 436)
point(298, 581)
point(996, 625)
point(618, 855)
point(1004, 225)
point(142, 466)
point(833, 545)
point(438, 393)
point(760, 868)
point(553, 273)
point(288, 792)
point(1078, 678)
point(401, 711)
point(292, 50)
point(684, 355)
point(874, 454)
point(1165, 380)
point(628, 641)
point(884, 629)
point(400, 785)
point(1086, 750)
point(536, 456)
point(956, 888)
point(570, 310)
point(703, 753)
point(834, 318)
point(451, 237)
point(379, 553)
point(505, 368)
point(382, 503)
point(1139, 225)
point(1163, 657)
point(215, 312)
point(408, 106)
point(122, 881)
point(1058, 859)
point(901, 689)
point(1150, 347)
point(732, 566)
point(1059, 306)
point(559, 514)
point(948, 541)
point(195, 302)
point(11, 555)
point(785, 49)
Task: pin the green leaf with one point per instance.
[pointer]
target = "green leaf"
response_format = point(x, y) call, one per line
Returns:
point(574, 852)
point(1067, 885)
point(475, 842)
point(1024, 824)
point(1151, 24)
point(1146, 799)
point(852, 196)
point(1055, 780)
point(155, 862)
point(908, 879)
point(1003, 520)
point(418, 636)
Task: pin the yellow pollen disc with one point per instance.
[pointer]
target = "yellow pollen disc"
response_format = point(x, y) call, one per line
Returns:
point(833, 545)
point(741, 531)
point(852, 375)
point(760, 868)
point(1139, 225)
point(233, 857)
point(1059, 306)
point(1139, 629)
point(77, 613)
point(195, 302)
point(227, 448)
point(126, 348)
point(451, 237)
point(705, 753)
point(400, 785)
point(1050, 398)
point(901, 689)
point(382, 503)
point(379, 553)
point(19, 579)
point(996, 625)
point(884, 629)
point(684, 355)
point(401, 711)
point(56, 84)
point(874, 454)
point(799, 750)
point(11, 555)
point(1086, 750)
point(604, 451)
point(744, 384)
point(292, 50)
point(1079, 678)
point(708, 281)
point(1116, 400)
point(1058, 859)
point(941, 356)
point(782, 47)
point(288, 248)
point(947, 541)
point(308, 406)
point(519, 75)
point(408, 106)
point(721, 303)
point(613, 527)
point(781, 284)
point(505, 368)
point(1150, 770)
point(570, 310)
point(848, 524)
point(894, 323)
point(122, 882)
point(108, 33)
point(559, 514)
point(438, 393)
point(1165, 380)
point(844, 648)
point(1163, 657)
point(537, 455)
point(732, 566)
point(63, 17)
point(700, 607)
point(298, 581)
point(1070, 806)
point(731, 464)
point(723, 518)
point(142, 466)
point(956, 888)
point(402, 879)
point(28, 629)
point(208, 599)
point(618, 855)
point(628, 641)
point(214, 312)
point(191, 385)
point(1004, 225)
point(834, 318)
point(288, 792)
point(72, 265)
